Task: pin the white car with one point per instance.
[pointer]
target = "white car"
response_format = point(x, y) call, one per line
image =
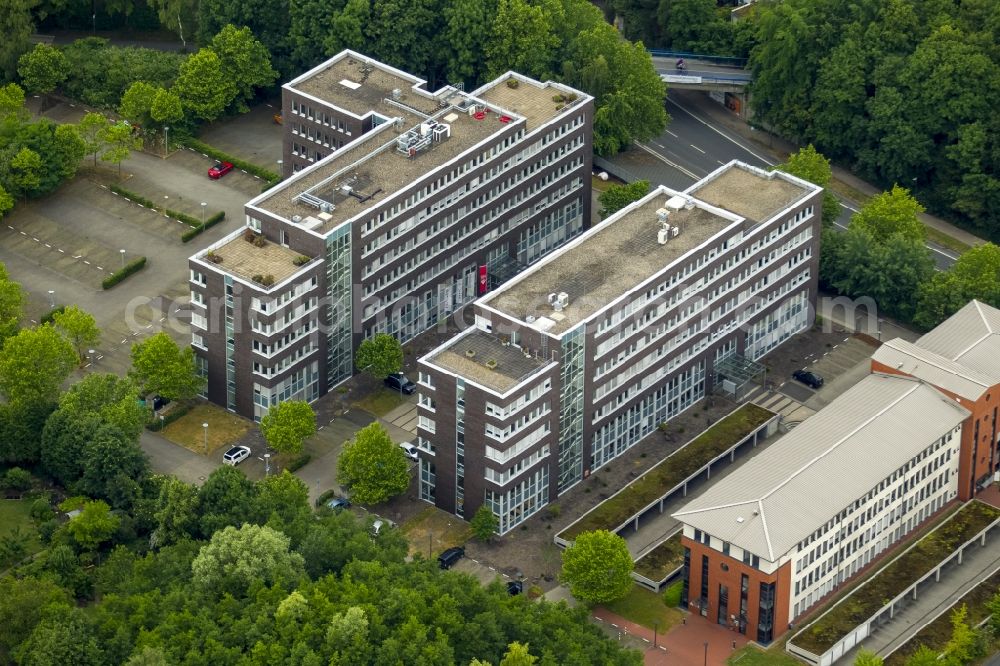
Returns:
point(409, 450)
point(236, 455)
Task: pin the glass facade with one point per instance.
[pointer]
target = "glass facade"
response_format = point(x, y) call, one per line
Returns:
point(459, 447)
point(230, 347)
point(339, 349)
point(516, 505)
point(428, 480)
point(551, 232)
point(571, 409)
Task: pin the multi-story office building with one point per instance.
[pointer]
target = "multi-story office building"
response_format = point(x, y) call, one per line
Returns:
point(961, 357)
point(587, 352)
point(401, 205)
point(791, 524)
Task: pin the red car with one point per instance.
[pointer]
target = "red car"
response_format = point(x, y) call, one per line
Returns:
point(220, 169)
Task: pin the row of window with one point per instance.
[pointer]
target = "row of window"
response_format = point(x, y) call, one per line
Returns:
point(270, 328)
point(524, 421)
point(265, 370)
point(319, 116)
point(265, 349)
point(518, 404)
point(500, 478)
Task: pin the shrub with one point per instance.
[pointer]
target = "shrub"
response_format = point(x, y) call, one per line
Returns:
point(513, 83)
point(301, 260)
point(133, 196)
point(209, 223)
point(534, 592)
point(49, 316)
point(268, 280)
point(213, 257)
point(156, 424)
point(249, 235)
point(260, 241)
point(672, 595)
point(47, 529)
point(299, 462)
point(217, 154)
point(131, 267)
point(17, 479)
point(325, 496)
point(41, 510)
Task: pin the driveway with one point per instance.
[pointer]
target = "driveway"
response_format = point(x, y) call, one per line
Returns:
point(320, 473)
point(165, 457)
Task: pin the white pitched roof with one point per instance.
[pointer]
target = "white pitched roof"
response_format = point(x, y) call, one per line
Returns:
point(971, 336)
point(935, 369)
point(788, 490)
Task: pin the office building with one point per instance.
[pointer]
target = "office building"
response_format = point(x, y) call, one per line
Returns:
point(400, 205)
point(585, 353)
point(790, 525)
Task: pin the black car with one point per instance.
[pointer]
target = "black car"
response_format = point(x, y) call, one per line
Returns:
point(159, 402)
point(338, 503)
point(515, 587)
point(448, 558)
point(399, 382)
point(810, 379)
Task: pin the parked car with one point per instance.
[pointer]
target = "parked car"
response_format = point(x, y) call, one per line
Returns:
point(338, 503)
point(159, 402)
point(810, 379)
point(219, 169)
point(380, 525)
point(399, 382)
point(409, 450)
point(515, 587)
point(276, 118)
point(450, 557)
point(235, 455)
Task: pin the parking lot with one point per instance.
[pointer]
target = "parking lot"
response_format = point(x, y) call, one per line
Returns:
point(253, 136)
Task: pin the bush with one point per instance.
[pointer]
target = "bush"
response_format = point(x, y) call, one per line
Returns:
point(301, 260)
point(131, 267)
point(325, 496)
point(260, 241)
point(299, 462)
point(41, 510)
point(156, 423)
point(249, 235)
point(217, 154)
point(49, 316)
point(672, 595)
point(513, 83)
point(213, 257)
point(209, 223)
point(47, 529)
point(17, 479)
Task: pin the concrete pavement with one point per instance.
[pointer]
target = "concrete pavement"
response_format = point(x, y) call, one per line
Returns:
point(165, 457)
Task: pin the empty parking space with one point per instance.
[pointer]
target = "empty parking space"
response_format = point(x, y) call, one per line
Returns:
point(253, 136)
point(198, 164)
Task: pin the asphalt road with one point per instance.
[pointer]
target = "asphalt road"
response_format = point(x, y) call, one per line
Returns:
point(692, 146)
point(703, 69)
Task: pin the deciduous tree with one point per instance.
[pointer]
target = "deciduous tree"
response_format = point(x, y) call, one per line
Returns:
point(166, 107)
point(975, 275)
point(33, 365)
point(867, 658)
point(236, 558)
point(380, 356)
point(597, 567)
point(244, 61)
point(113, 467)
point(16, 27)
point(889, 214)
point(119, 141)
point(521, 39)
point(23, 604)
point(79, 327)
point(25, 172)
point(93, 525)
point(159, 366)
point(372, 466)
point(287, 425)
point(226, 498)
point(92, 128)
point(113, 399)
point(137, 103)
point(42, 69)
point(617, 197)
point(177, 512)
point(484, 523)
point(809, 165)
point(12, 300)
point(203, 87)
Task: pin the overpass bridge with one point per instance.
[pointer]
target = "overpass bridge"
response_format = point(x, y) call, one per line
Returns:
point(702, 72)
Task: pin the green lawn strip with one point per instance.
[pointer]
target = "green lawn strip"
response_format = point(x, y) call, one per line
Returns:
point(867, 599)
point(937, 634)
point(667, 474)
point(752, 655)
point(659, 562)
point(846, 191)
point(944, 240)
point(16, 515)
point(646, 608)
point(381, 402)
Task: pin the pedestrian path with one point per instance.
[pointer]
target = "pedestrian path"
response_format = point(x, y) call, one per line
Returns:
point(792, 411)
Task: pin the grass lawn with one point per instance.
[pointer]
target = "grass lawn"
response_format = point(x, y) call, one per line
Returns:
point(895, 577)
point(381, 402)
point(600, 185)
point(683, 463)
point(754, 656)
point(646, 608)
point(15, 515)
point(434, 529)
point(665, 558)
point(223, 428)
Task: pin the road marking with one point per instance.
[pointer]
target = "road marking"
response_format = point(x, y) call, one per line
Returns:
point(720, 133)
point(22, 233)
point(671, 134)
point(661, 146)
point(48, 246)
point(62, 250)
point(721, 162)
point(667, 162)
point(697, 148)
point(35, 239)
point(86, 262)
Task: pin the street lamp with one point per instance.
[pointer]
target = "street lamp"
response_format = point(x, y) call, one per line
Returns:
point(203, 204)
point(205, 427)
point(706, 653)
point(281, 174)
point(656, 625)
point(52, 298)
point(123, 257)
point(267, 464)
point(166, 141)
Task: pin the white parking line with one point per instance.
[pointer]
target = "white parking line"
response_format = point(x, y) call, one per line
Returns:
point(48, 246)
point(671, 133)
point(697, 148)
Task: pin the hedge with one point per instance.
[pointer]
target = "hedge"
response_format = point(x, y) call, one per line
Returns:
point(50, 316)
point(189, 220)
point(217, 154)
point(209, 223)
point(156, 423)
point(299, 462)
point(131, 267)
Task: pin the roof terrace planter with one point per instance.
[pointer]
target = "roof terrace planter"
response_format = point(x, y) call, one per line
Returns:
point(849, 621)
point(660, 564)
point(748, 422)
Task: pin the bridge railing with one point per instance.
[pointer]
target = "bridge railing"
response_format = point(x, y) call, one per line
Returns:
point(728, 61)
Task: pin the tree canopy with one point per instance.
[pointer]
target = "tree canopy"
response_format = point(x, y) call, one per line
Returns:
point(287, 425)
point(33, 365)
point(160, 366)
point(372, 466)
point(380, 355)
point(598, 567)
point(617, 197)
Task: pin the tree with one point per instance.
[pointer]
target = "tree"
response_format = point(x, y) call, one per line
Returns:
point(597, 567)
point(166, 107)
point(137, 103)
point(42, 69)
point(924, 656)
point(11, 101)
point(16, 27)
point(93, 525)
point(372, 466)
point(113, 399)
point(25, 171)
point(807, 164)
point(202, 86)
point(67, 150)
point(234, 559)
point(339, 537)
point(224, 500)
point(120, 142)
point(63, 639)
point(174, 13)
point(6, 202)
point(891, 213)
point(64, 438)
point(24, 602)
point(517, 655)
point(113, 466)
point(244, 61)
point(177, 515)
point(12, 300)
point(484, 523)
point(467, 29)
point(975, 275)
point(380, 356)
point(287, 425)
point(33, 365)
point(79, 328)
point(867, 658)
point(92, 128)
point(405, 34)
point(21, 428)
point(617, 197)
point(159, 366)
point(961, 647)
point(520, 39)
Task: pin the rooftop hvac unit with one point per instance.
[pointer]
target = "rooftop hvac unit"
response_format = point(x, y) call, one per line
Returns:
point(662, 214)
point(425, 129)
point(559, 301)
point(676, 202)
point(296, 218)
point(442, 132)
point(689, 204)
point(674, 232)
point(326, 207)
point(396, 94)
point(663, 234)
point(530, 319)
point(346, 189)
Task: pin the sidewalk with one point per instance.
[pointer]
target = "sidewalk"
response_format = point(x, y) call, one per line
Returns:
point(781, 148)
